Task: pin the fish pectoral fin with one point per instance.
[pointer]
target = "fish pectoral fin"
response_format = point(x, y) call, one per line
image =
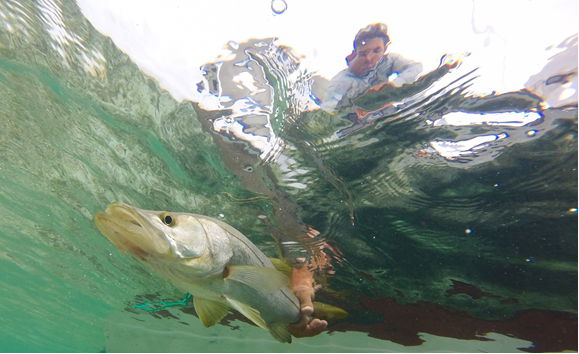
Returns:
point(282, 266)
point(209, 312)
point(280, 332)
point(328, 312)
point(248, 312)
point(263, 279)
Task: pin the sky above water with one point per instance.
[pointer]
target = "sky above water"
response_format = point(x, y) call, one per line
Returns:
point(171, 39)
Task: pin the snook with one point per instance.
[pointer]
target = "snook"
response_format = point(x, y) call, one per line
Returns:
point(211, 260)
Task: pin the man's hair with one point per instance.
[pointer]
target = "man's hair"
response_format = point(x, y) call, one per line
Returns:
point(375, 30)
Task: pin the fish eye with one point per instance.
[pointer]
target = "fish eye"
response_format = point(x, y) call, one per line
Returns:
point(168, 219)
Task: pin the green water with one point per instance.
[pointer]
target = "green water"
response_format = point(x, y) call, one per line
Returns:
point(71, 143)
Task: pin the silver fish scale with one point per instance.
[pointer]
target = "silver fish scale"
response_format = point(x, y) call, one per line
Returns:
point(281, 306)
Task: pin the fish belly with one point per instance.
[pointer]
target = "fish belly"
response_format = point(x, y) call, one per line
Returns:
point(279, 307)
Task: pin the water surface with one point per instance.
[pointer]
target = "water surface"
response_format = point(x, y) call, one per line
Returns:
point(443, 223)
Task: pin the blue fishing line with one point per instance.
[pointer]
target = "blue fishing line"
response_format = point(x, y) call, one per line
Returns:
point(162, 304)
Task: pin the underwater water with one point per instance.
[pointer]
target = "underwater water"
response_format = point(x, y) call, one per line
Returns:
point(447, 221)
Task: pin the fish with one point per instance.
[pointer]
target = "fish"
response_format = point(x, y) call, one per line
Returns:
point(211, 260)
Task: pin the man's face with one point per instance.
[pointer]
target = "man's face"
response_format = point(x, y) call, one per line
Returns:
point(367, 56)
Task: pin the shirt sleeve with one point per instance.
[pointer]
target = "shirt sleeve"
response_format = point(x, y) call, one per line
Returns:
point(407, 69)
point(337, 89)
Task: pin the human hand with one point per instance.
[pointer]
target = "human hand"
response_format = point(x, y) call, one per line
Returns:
point(453, 60)
point(358, 65)
point(302, 286)
point(363, 113)
point(379, 87)
point(350, 57)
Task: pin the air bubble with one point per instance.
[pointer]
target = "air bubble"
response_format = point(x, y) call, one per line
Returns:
point(278, 6)
point(531, 132)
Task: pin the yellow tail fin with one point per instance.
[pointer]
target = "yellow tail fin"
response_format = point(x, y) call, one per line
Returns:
point(328, 312)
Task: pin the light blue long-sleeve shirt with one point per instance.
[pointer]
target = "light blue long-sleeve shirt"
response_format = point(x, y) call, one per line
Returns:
point(346, 86)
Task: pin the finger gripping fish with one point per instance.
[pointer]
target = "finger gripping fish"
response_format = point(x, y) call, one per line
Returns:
point(211, 260)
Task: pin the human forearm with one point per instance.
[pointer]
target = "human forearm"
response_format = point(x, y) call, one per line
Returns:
point(407, 70)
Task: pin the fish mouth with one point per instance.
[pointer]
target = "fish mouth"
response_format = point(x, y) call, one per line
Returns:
point(131, 231)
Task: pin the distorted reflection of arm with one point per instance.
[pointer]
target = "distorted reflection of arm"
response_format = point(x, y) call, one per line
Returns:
point(406, 70)
point(382, 95)
point(334, 98)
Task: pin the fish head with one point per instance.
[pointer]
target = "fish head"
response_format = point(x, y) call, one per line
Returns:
point(148, 235)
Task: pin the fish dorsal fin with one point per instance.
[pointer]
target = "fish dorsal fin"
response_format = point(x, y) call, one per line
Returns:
point(282, 266)
point(328, 312)
point(263, 279)
point(248, 312)
point(280, 332)
point(209, 312)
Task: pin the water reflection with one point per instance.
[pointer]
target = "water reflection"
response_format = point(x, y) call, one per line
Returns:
point(393, 150)
point(369, 67)
point(378, 197)
point(267, 91)
point(263, 87)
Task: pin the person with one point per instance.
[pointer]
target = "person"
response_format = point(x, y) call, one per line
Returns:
point(368, 65)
